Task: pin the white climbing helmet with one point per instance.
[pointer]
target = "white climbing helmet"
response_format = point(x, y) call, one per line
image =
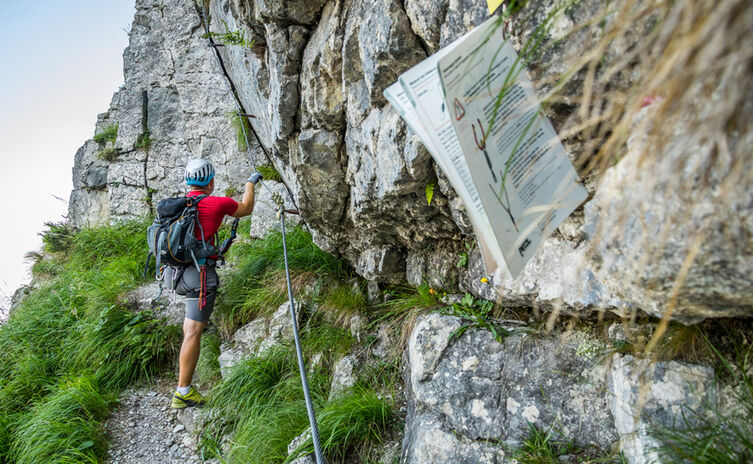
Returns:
point(199, 172)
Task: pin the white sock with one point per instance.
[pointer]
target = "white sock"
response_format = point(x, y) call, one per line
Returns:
point(183, 390)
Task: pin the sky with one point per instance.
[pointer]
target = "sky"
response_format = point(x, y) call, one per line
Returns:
point(60, 63)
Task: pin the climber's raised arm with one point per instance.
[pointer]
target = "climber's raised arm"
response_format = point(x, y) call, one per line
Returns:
point(246, 205)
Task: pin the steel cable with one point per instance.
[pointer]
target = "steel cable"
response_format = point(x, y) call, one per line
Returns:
point(301, 365)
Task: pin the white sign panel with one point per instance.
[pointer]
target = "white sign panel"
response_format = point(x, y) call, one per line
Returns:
point(521, 172)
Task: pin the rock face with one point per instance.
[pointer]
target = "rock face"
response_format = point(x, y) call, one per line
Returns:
point(478, 389)
point(257, 337)
point(314, 81)
point(173, 94)
point(648, 394)
point(472, 399)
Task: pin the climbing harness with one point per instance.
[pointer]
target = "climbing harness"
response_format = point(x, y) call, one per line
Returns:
point(279, 201)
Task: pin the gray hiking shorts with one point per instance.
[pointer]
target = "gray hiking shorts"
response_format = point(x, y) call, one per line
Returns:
point(188, 282)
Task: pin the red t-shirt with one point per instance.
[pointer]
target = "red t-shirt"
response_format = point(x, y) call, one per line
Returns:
point(212, 210)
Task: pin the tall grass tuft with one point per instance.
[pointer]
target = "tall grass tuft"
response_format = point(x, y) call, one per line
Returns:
point(348, 422)
point(258, 285)
point(69, 344)
point(261, 401)
point(121, 347)
point(64, 427)
point(208, 366)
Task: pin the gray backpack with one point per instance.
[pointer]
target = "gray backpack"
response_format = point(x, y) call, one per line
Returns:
point(172, 237)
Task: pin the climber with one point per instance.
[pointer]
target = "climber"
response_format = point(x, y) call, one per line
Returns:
point(200, 286)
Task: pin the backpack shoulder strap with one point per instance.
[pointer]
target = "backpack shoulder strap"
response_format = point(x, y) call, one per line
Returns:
point(195, 199)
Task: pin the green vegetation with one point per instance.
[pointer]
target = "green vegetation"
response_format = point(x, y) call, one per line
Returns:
point(149, 199)
point(231, 37)
point(231, 191)
point(429, 192)
point(208, 367)
point(57, 237)
point(463, 257)
point(242, 128)
point(343, 301)
point(108, 154)
point(541, 447)
point(64, 427)
point(476, 314)
point(720, 433)
point(71, 346)
point(402, 303)
point(144, 141)
point(546, 447)
point(108, 134)
point(269, 172)
point(258, 286)
point(262, 403)
point(347, 422)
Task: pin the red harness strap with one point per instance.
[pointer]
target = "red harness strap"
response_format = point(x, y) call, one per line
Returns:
point(202, 288)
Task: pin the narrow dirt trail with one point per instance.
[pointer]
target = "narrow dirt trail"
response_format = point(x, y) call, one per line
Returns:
point(143, 429)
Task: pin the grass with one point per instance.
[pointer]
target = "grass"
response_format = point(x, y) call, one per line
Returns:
point(122, 347)
point(231, 191)
point(144, 140)
point(340, 302)
point(242, 128)
point(401, 302)
point(64, 427)
point(721, 433)
point(541, 447)
point(208, 367)
point(261, 404)
point(269, 172)
point(57, 237)
point(258, 285)
point(546, 447)
point(108, 154)
point(319, 335)
point(347, 423)
point(70, 346)
point(231, 37)
point(108, 134)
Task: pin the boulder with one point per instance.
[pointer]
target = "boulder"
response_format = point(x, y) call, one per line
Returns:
point(646, 395)
point(168, 305)
point(478, 389)
point(343, 377)
point(258, 337)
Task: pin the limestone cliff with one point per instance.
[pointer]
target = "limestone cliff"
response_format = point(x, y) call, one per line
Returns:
point(314, 82)
point(667, 229)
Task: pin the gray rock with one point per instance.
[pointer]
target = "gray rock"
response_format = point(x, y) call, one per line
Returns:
point(358, 325)
point(314, 83)
point(429, 442)
point(343, 377)
point(245, 342)
point(645, 395)
point(171, 82)
point(168, 305)
point(257, 337)
point(190, 419)
point(264, 219)
point(298, 441)
point(280, 327)
point(479, 389)
point(646, 215)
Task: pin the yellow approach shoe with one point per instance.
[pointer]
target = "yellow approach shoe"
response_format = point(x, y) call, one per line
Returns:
point(192, 398)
